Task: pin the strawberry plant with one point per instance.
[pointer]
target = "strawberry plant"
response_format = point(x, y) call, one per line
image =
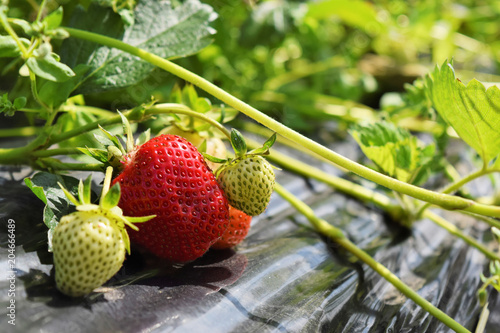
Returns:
point(69, 75)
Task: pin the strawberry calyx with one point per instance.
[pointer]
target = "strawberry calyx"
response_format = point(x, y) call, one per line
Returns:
point(108, 204)
point(117, 148)
point(241, 150)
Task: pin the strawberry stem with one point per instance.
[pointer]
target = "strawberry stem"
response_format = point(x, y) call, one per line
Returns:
point(336, 235)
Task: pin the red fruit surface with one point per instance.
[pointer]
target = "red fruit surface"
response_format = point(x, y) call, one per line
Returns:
point(167, 176)
point(239, 224)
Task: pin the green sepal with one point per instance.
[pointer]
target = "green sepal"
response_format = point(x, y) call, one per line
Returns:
point(80, 191)
point(126, 240)
point(128, 132)
point(98, 154)
point(54, 19)
point(213, 158)
point(115, 157)
point(87, 189)
point(143, 138)
point(238, 143)
point(68, 195)
point(264, 150)
point(111, 198)
point(113, 139)
point(103, 140)
point(139, 219)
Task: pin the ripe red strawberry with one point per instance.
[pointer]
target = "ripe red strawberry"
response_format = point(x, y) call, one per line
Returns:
point(239, 225)
point(168, 177)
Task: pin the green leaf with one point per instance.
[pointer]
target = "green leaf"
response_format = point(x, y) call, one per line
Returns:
point(158, 28)
point(472, 110)
point(54, 19)
point(127, 130)
point(50, 69)
point(45, 186)
point(8, 107)
point(103, 140)
point(214, 159)
point(359, 14)
point(54, 94)
point(111, 198)
point(394, 150)
point(9, 47)
point(238, 143)
point(113, 139)
point(20, 102)
point(264, 150)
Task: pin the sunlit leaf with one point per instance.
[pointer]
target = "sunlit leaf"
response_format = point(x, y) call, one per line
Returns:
point(472, 110)
point(159, 28)
point(394, 150)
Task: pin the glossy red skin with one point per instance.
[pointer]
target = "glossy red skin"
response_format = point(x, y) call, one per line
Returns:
point(167, 176)
point(239, 225)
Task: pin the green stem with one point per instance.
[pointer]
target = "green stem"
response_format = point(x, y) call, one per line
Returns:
point(56, 165)
point(452, 229)
point(5, 24)
point(19, 131)
point(22, 155)
point(491, 221)
point(336, 235)
point(55, 152)
point(443, 200)
point(40, 10)
point(34, 91)
point(459, 183)
point(87, 109)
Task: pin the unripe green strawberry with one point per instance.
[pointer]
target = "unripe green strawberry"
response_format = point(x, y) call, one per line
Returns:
point(88, 250)
point(248, 182)
point(89, 245)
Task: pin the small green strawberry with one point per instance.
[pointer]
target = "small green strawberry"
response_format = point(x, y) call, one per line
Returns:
point(248, 179)
point(89, 245)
